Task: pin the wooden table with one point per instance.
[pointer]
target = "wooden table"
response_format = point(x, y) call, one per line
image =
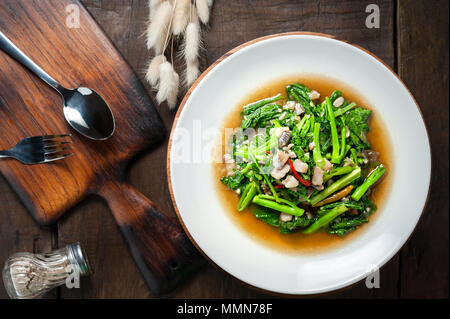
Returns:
point(412, 39)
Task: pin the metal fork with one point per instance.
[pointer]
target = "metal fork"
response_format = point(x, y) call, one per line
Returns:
point(40, 149)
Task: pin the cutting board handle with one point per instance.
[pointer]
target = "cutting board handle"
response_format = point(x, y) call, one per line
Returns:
point(161, 249)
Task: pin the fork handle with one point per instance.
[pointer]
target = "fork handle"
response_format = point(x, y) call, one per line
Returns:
point(10, 48)
point(158, 244)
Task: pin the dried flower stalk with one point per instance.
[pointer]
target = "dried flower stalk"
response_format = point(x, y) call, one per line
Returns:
point(169, 19)
point(181, 16)
point(203, 10)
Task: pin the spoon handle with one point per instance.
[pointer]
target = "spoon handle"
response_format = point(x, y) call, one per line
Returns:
point(4, 154)
point(10, 48)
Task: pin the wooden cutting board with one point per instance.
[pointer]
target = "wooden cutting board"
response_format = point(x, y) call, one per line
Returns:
point(84, 56)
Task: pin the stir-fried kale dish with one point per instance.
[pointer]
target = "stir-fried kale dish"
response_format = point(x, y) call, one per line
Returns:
point(304, 165)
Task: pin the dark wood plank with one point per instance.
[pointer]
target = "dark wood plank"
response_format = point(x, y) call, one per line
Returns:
point(19, 232)
point(232, 23)
point(91, 223)
point(423, 65)
point(235, 22)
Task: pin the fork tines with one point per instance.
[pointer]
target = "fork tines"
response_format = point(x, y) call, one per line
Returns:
point(55, 147)
point(40, 149)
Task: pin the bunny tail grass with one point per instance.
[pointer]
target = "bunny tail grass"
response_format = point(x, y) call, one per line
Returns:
point(153, 4)
point(192, 41)
point(173, 95)
point(192, 72)
point(203, 10)
point(180, 16)
point(152, 75)
point(157, 28)
point(167, 82)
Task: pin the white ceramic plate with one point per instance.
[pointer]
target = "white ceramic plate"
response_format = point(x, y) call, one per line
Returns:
point(192, 183)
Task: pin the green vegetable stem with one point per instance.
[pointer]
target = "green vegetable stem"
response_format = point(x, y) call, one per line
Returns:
point(250, 108)
point(249, 192)
point(371, 179)
point(269, 202)
point(344, 109)
point(326, 219)
point(344, 148)
point(337, 171)
point(334, 136)
point(339, 184)
point(317, 155)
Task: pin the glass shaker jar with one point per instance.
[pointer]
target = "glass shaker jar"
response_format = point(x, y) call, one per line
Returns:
point(28, 275)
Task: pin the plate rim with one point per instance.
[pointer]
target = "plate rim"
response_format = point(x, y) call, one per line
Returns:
point(181, 108)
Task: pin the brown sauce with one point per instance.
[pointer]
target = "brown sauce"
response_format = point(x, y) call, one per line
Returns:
point(298, 242)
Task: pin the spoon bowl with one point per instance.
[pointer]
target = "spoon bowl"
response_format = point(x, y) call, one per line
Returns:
point(88, 113)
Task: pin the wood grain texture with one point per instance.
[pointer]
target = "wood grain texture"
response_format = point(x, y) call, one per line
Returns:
point(232, 23)
point(19, 232)
point(83, 56)
point(75, 57)
point(423, 65)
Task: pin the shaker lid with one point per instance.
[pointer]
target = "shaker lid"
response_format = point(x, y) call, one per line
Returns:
point(77, 257)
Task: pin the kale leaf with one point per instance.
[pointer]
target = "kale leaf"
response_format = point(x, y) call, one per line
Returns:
point(233, 181)
point(259, 117)
point(341, 226)
point(356, 120)
point(267, 215)
point(289, 227)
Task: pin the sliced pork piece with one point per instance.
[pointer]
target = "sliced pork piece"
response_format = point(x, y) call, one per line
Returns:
point(299, 109)
point(300, 166)
point(290, 182)
point(317, 179)
point(319, 188)
point(288, 147)
point(338, 102)
point(280, 159)
point(292, 154)
point(327, 166)
point(285, 217)
point(314, 95)
point(289, 105)
point(280, 173)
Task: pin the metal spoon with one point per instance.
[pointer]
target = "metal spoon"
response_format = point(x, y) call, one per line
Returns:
point(84, 109)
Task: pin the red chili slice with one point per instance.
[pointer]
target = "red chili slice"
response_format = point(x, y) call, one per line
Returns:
point(278, 186)
point(303, 181)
